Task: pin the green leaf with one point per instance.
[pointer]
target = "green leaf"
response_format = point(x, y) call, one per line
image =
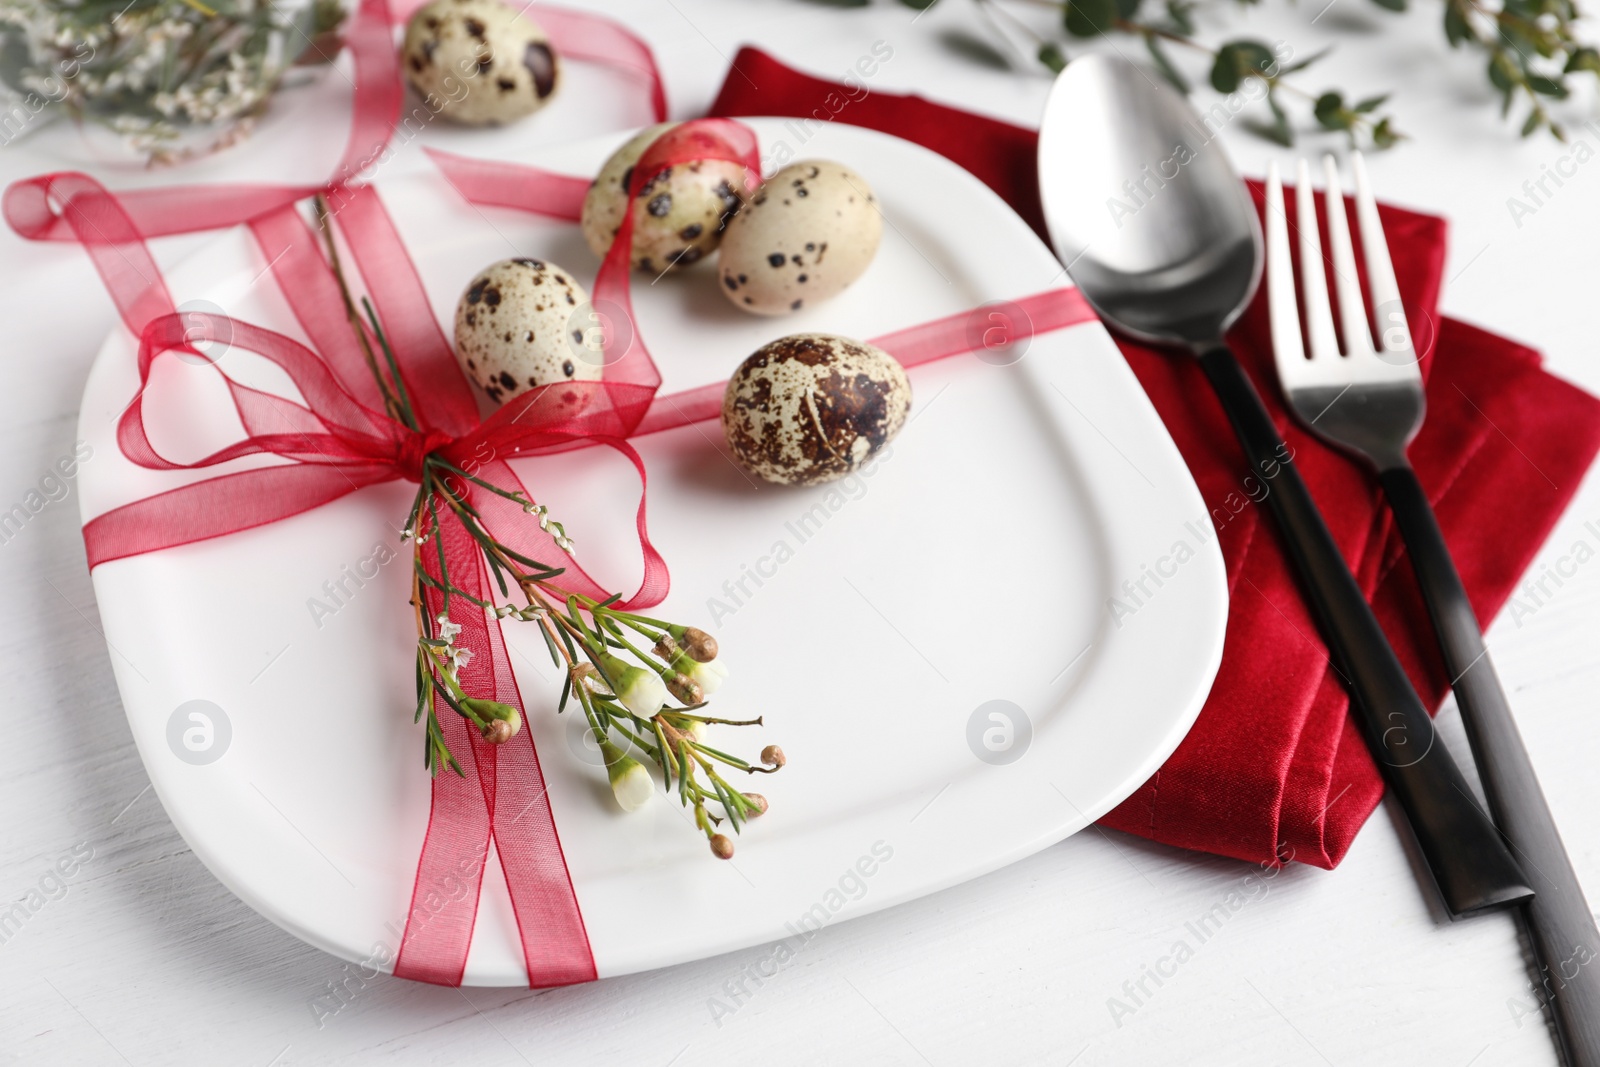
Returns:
point(1456, 29)
point(1502, 74)
point(1583, 59)
point(1126, 9)
point(972, 47)
point(1164, 65)
point(1371, 103)
point(1238, 60)
point(1304, 63)
point(919, 5)
point(1535, 120)
point(1178, 12)
point(1050, 55)
point(1331, 113)
point(1278, 129)
point(1383, 135)
point(1089, 18)
point(1391, 5)
point(1547, 86)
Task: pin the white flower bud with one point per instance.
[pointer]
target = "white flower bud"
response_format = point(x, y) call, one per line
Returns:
point(641, 691)
point(631, 784)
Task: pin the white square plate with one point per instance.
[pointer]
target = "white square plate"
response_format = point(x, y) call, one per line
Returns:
point(872, 622)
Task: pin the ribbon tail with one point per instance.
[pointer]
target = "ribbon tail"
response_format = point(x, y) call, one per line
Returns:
point(500, 796)
point(584, 36)
point(219, 506)
point(492, 183)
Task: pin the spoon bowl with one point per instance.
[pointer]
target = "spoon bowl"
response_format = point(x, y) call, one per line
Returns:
point(1143, 206)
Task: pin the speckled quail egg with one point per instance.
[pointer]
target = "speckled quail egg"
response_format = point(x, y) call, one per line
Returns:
point(479, 62)
point(679, 215)
point(812, 407)
point(811, 230)
point(519, 325)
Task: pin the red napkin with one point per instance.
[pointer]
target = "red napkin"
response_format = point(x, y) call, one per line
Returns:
point(1275, 767)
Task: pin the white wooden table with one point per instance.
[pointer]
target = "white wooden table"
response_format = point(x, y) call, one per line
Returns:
point(140, 956)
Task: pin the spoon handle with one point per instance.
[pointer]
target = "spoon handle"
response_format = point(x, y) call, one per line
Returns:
point(1470, 862)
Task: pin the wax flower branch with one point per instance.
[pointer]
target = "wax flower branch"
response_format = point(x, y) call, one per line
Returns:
point(620, 668)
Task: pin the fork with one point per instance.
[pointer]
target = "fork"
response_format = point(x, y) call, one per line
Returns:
point(1369, 400)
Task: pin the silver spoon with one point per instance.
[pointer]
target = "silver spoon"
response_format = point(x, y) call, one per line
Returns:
point(1160, 235)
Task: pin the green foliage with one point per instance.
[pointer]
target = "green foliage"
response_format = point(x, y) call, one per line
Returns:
point(1531, 51)
point(1238, 60)
point(1089, 18)
point(1531, 54)
point(1051, 55)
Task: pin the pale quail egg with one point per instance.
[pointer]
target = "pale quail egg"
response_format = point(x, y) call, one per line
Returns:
point(479, 62)
point(519, 325)
point(679, 215)
point(812, 407)
point(811, 230)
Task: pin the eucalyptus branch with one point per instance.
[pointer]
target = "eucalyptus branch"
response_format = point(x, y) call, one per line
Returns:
point(1531, 46)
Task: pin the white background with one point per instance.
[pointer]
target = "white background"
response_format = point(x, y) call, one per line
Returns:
point(146, 959)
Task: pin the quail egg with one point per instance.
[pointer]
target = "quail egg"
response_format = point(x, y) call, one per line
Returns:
point(479, 62)
point(679, 214)
point(519, 325)
point(810, 232)
point(812, 407)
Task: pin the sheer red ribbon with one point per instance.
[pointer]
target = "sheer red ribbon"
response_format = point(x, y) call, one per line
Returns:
point(495, 183)
point(337, 438)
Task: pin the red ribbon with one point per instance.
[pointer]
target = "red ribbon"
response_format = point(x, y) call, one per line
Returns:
point(338, 438)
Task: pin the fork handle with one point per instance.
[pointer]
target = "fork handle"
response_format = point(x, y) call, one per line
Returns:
point(1558, 919)
point(1470, 862)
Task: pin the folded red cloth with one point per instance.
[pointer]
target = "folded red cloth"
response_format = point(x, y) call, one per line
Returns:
point(1275, 766)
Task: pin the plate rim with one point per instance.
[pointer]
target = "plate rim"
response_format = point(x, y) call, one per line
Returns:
point(1212, 569)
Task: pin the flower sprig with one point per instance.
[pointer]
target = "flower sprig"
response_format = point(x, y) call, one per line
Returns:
point(641, 683)
point(174, 77)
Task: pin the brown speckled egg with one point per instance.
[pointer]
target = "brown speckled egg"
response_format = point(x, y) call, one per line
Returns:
point(479, 62)
point(811, 230)
point(679, 215)
point(519, 325)
point(812, 407)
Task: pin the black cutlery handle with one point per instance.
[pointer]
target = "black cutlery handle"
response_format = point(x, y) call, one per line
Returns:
point(1560, 924)
point(1470, 862)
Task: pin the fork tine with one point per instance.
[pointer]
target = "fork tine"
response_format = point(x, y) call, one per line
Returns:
point(1394, 334)
point(1281, 307)
point(1313, 282)
point(1352, 312)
